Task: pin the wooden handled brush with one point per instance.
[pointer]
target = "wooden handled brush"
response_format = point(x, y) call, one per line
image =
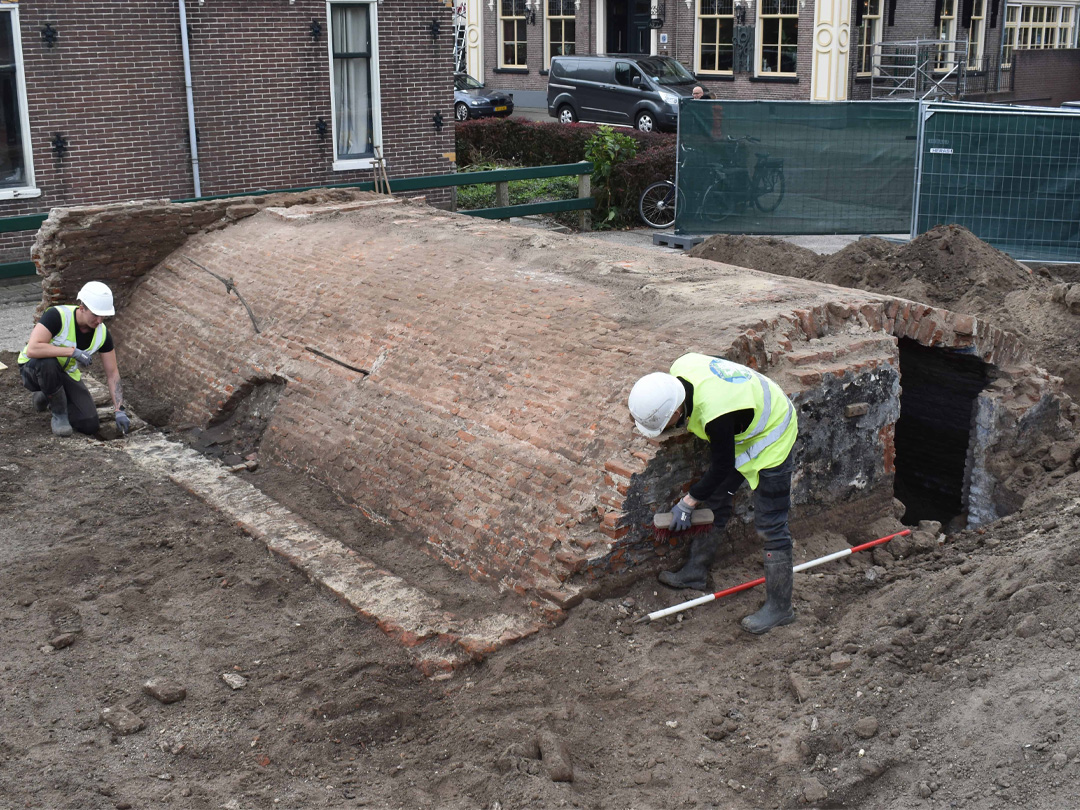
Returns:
point(701, 520)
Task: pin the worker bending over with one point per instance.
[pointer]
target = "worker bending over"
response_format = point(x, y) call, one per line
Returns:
point(750, 425)
point(61, 345)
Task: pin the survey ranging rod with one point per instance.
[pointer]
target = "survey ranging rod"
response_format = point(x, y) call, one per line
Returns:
point(701, 600)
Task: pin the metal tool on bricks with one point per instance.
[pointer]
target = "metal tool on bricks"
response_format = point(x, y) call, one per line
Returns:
point(701, 600)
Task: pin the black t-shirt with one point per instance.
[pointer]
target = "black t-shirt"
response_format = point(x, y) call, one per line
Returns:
point(52, 321)
point(721, 432)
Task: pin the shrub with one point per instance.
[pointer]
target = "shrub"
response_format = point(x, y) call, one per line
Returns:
point(539, 143)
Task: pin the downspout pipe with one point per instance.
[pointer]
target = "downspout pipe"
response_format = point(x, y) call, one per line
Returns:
point(190, 99)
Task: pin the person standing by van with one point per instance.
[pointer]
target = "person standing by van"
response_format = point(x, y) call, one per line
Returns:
point(700, 92)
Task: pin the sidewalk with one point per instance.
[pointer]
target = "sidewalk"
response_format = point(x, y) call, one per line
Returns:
point(17, 305)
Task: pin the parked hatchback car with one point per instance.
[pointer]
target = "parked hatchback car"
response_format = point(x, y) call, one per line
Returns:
point(630, 89)
point(471, 100)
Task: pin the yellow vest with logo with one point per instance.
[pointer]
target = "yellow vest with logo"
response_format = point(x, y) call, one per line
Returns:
point(721, 386)
point(66, 337)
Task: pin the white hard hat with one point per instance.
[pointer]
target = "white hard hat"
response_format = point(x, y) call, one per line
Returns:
point(97, 298)
point(653, 399)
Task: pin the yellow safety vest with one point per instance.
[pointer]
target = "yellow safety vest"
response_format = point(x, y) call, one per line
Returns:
point(66, 337)
point(721, 386)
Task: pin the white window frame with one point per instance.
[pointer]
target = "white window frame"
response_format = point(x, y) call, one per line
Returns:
point(946, 33)
point(876, 27)
point(376, 93)
point(1020, 30)
point(699, 42)
point(30, 189)
point(978, 25)
point(501, 41)
point(547, 28)
point(759, 50)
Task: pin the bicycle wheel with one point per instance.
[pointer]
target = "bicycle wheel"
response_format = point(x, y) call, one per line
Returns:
point(769, 190)
point(657, 205)
point(716, 203)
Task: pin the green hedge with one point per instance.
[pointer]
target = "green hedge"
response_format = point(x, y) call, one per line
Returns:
point(539, 143)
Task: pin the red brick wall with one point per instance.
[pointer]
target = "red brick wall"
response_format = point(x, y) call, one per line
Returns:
point(114, 86)
point(1046, 78)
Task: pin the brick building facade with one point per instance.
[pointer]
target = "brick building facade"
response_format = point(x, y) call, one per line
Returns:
point(95, 105)
point(512, 41)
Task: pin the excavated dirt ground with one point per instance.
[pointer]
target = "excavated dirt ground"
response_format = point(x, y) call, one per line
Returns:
point(942, 674)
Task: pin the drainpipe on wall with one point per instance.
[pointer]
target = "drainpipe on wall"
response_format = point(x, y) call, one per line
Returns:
point(190, 100)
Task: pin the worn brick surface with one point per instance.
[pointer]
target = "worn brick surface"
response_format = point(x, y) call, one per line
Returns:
point(493, 423)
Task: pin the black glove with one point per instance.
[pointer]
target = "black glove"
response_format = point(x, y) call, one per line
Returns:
point(680, 517)
point(84, 359)
point(123, 424)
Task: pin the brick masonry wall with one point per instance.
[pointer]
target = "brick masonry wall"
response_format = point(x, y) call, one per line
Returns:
point(1046, 78)
point(493, 424)
point(113, 85)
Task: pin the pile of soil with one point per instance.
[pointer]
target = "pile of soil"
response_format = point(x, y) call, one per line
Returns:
point(941, 672)
point(947, 267)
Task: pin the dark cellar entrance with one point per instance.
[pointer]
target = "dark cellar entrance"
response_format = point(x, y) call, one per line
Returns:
point(939, 388)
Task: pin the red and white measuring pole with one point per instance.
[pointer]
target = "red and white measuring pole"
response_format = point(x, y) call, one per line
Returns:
point(659, 614)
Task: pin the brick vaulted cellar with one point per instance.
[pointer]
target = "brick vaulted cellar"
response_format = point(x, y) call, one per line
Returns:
point(467, 380)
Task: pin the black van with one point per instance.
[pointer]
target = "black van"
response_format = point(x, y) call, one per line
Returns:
point(630, 89)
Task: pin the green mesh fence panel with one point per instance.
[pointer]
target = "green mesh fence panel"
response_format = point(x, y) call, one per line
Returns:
point(845, 167)
point(1010, 177)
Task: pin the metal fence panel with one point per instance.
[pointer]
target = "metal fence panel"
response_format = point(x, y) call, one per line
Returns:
point(1009, 175)
point(796, 167)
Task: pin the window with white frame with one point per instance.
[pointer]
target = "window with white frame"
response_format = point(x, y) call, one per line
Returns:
point(716, 24)
point(946, 33)
point(355, 72)
point(561, 20)
point(976, 35)
point(1030, 27)
point(869, 35)
point(778, 37)
point(16, 159)
point(512, 34)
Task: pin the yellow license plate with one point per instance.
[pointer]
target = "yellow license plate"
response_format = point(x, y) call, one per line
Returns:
point(501, 109)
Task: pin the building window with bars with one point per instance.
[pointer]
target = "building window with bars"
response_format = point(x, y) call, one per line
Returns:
point(16, 164)
point(355, 96)
point(716, 24)
point(778, 37)
point(512, 34)
point(976, 35)
point(561, 19)
point(869, 36)
point(1036, 27)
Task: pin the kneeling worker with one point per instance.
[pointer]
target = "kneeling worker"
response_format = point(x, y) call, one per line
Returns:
point(63, 343)
point(751, 427)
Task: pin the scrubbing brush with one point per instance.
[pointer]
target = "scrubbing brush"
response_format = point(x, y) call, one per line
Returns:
point(701, 520)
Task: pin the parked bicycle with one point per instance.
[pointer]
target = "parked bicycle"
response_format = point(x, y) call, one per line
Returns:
point(731, 189)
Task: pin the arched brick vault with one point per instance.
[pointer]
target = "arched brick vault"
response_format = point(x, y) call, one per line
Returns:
point(493, 423)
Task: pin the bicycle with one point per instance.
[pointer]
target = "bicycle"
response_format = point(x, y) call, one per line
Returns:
point(735, 188)
point(732, 189)
point(657, 204)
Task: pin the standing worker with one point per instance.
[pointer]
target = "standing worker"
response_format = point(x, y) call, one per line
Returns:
point(751, 426)
point(61, 345)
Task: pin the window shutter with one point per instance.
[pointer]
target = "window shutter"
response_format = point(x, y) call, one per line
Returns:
point(892, 13)
point(937, 13)
point(993, 12)
point(965, 14)
point(859, 12)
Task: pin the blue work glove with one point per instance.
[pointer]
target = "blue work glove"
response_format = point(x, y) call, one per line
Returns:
point(680, 517)
point(84, 359)
point(123, 424)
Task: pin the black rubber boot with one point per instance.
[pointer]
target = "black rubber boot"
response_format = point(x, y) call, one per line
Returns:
point(58, 405)
point(41, 402)
point(777, 608)
point(696, 571)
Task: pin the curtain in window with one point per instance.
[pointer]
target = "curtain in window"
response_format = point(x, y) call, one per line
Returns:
point(352, 80)
point(12, 165)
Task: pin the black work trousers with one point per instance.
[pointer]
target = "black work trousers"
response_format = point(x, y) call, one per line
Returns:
point(45, 375)
point(771, 500)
